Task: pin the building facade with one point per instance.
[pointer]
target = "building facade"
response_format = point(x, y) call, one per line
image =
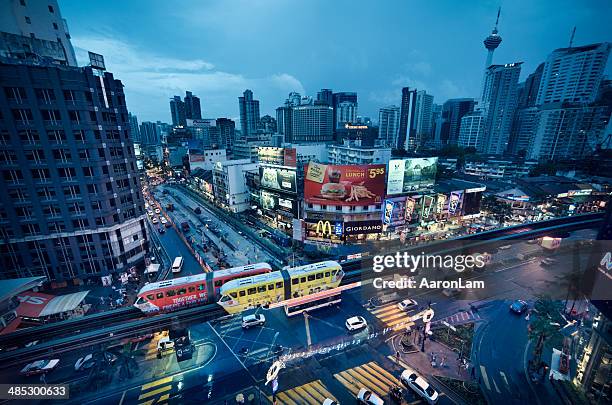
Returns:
point(73, 206)
point(192, 106)
point(352, 153)
point(407, 133)
point(388, 125)
point(311, 123)
point(471, 130)
point(230, 188)
point(422, 114)
point(177, 111)
point(249, 114)
point(452, 112)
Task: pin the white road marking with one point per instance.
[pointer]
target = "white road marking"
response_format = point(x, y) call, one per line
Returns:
point(505, 379)
point(495, 384)
point(483, 371)
point(308, 339)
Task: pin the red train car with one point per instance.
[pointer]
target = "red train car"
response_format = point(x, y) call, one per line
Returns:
point(168, 295)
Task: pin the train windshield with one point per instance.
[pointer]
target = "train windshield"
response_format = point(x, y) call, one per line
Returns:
point(140, 301)
point(225, 298)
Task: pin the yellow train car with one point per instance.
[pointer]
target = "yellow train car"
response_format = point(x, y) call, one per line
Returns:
point(265, 289)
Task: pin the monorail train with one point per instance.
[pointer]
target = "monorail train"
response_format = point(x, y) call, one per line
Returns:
point(168, 295)
point(265, 289)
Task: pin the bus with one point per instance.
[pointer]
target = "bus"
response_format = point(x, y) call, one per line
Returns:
point(177, 265)
point(312, 302)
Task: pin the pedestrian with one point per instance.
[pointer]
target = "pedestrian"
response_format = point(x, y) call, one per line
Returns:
point(397, 356)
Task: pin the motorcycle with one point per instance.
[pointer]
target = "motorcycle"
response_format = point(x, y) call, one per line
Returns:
point(396, 394)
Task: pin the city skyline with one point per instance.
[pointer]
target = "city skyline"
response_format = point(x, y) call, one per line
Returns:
point(159, 61)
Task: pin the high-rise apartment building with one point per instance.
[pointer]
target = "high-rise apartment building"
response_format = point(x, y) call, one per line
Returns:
point(177, 110)
point(471, 130)
point(528, 94)
point(134, 127)
point(573, 74)
point(71, 205)
point(407, 133)
point(568, 131)
point(283, 121)
point(326, 97)
point(422, 116)
point(192, 106)
point(150, 133)
point(451, 114)
point(499, 100)
point(249, 114)
point(388, 125)
point(523, 128)
point(227, 133)
point(311, 123)
point(347, 102)
point(35, 27)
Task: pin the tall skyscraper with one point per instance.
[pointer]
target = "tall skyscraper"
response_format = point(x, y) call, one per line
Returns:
point(422, 116)
point(346, 113)
point(436, 124)
point(177, 110)
point(407, 133)
point(249, 114)
point(452, 112)
point(311, 123)
point(150, 133)
point(471, 130)
point(349, 103)
point(492, 42)
point(71, 204)
point(388, 125)
point(529, 93)
point(283, 121)
point(227, 133)
point(192, 106)
point(134, 127)
point(326, 97)
point(38, 25)
point(573, 74)
point(499, 100)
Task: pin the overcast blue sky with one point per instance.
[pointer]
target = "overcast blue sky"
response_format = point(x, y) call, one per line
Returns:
point(218, 48)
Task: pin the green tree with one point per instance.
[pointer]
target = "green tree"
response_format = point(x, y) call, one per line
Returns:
point(545, 326)
point(500, 210)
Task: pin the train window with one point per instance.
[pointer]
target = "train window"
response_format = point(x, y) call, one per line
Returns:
point(303, 280)
point(311, 277)
point(279, 285)
point(191, 289)
point(201, 287)
point(160, 296)
point(225, 298)
point(181, 291)
point(150, 297)
point(218, 283)
point(295, 281)
point(242, 293)
point(261, 288)
point(319, 276)
point(251, 291)
point(170, 293)
point(233, 294)
point(270, 287)
point(327, 274)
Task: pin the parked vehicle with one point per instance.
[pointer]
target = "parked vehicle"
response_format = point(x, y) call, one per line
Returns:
point(253, 320)
point(419, 385)
point(366, 396)
point(39, 367)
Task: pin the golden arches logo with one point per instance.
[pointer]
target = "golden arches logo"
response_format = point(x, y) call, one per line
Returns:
point(324, 228)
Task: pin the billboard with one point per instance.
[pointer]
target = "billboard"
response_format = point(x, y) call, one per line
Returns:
point(277, 156)
point(361, 227)
point(412, 174)
point(324, 230)
point(345, 185)
point(278, 179)
point(274, 202)
point(471, 202)
point(395, 210)
point(454, 202)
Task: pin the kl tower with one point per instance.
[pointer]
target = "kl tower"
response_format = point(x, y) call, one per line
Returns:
point(492, 42)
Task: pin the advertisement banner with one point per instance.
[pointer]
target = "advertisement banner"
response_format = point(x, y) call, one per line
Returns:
point(323, 230)
point(412, 174)
point(428, 205)
point(290, 157)
point(454, 202)
point(275, 202)
point(277, 156)
point(278, 179)
point(362, 227)
point(440, 203)
point(388, 211)
point(410, 203)
point(344, 185)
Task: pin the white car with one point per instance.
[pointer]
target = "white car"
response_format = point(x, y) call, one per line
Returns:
point(154, 220)
point(39, 367)
point(407, 305)
point(366, 396)
point(329, 402)
point(150, 213)
point(253, 320)
point(157, 211)
point(356, 323)
point(419, 385)
point(163, 220)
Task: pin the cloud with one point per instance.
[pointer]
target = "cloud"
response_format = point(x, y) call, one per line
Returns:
point(151, 79)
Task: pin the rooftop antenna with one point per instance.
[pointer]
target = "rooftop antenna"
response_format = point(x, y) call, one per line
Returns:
point(572, 37)
point(497, 20)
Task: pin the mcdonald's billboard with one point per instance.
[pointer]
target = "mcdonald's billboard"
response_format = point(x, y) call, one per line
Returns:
point(324, 230)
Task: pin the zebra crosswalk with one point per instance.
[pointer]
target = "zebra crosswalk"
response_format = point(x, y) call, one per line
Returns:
point(370, 375)
point(392, 316)
point(156, 392)
point(312, 393)
point(460, 318)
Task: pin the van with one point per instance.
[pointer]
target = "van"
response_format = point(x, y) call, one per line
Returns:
point(177, 265)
